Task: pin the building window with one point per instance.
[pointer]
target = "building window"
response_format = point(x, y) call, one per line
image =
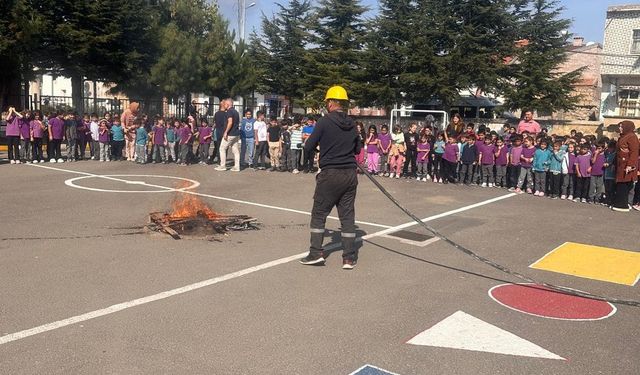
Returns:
point(635, 44)
point(629, 103)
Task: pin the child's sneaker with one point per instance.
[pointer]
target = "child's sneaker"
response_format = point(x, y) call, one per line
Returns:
point(12, 162)
point(583, 200)
point(536, 193)
point(541, 194)
point(570, 197)
point(518, 191)
point(511, 189)
point(529, 191)
point(484, 184)
point(52, 161)
point(42, 161)
point(424, 179)
point(636, 207)
point(60, 160)
point(295, 171)
point(427, 178)
point(397, 176)
point(563, 197)
point(490, 184)
point(392, 175)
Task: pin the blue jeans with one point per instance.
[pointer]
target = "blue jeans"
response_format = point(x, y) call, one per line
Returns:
point(246, 150)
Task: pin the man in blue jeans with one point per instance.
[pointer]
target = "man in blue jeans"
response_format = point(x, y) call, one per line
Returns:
point(248, 141)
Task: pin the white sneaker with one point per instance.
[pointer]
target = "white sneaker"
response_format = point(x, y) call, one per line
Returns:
point(220, 168)
point(427, 178)
point(12, 162)
point(42, 161)
point(397, 176)
point(424, 179)
point(60, 160)
point(570, 197)
point(35, 162)
point(52, 161)
point(392, 175)
point(490, 184)
point(484, 184)
point(295, 171)
point(93, 158)
point(27, 162)
point(563, 197)
point(18, 162)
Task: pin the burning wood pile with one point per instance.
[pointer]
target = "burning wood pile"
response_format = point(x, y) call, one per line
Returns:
point(190, 216)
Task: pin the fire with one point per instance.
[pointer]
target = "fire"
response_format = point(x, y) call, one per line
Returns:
point(189, 206)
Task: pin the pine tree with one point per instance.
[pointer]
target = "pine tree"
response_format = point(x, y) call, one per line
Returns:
point(385, 57)
point(339, 33)
point(280, 54)
point(533, 81)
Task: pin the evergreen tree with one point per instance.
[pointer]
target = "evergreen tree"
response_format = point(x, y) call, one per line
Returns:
point(533, 81)
point(339, 34)
point(280, 54)
point(385, 58)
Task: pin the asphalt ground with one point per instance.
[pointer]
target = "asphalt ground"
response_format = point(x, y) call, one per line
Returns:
point(74, 253)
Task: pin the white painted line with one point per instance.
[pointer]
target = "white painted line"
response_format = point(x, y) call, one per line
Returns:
point(170, 189)
point(546, 255)
point(140, 301)
point(163, 189)
point(368, 366)
point(614, 309)
point(463, 331)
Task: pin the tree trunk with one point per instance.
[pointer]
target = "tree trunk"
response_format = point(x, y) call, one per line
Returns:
point(77, 93)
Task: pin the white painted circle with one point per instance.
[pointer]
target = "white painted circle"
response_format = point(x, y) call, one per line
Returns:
point(163, 189)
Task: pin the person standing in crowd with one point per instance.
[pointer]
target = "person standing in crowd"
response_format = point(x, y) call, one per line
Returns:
point(94, 129)
point(596, 183)
point(456, 127)
point(422, 159)
point(247, 137)
point(83, 128)
point(610, 173)
point(172, 127)
point(230, 138)
point(71, 135)
point(308, 156)
point(126, 119)
point(56, 135)
point(36, 132)
point(185, 134)
point(627, 150)
point(14, 122)
point(362, 137)
point(397, 153)
point(385, 146)
point(296, 147)
point(583, 174)
point(285, 142)
point(261, 138)
point(502, 160)
point(373, 149)
point(411, 142)
point(337, 182)
point(204, 136)
point(529, 125)
point(141, 142)
point(540, 167)
point(117, 139)
point(220, 121)
point(159, 152)
point(25, 138)
point(274, 133)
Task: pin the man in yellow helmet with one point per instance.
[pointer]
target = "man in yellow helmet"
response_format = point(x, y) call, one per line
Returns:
point(337, 182)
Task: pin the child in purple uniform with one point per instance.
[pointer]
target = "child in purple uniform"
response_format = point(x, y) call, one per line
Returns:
point(569, 179)
point(185, 139)
point(583, 173)
point(25, 138)
point(56, 135)
point(450, 160)
point(37, 131)
point(596, 182)
point(384, 145)
point(526, 161)
point(373, 146)
point(501, 161)
point(486, 160)
point(159, 152)
point(204, 136)
point(104, 139)
point(513, 169)
point(422, 159)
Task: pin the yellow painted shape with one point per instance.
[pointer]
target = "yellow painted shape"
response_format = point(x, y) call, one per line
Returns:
point(592, 262)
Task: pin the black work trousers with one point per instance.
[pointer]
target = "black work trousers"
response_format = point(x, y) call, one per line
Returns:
point(13, 141)
point(410, 160)
point(336, 188)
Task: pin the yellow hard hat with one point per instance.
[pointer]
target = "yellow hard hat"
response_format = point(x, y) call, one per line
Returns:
point(336, 93)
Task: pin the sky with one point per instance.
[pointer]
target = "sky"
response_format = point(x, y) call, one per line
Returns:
point(588, 15)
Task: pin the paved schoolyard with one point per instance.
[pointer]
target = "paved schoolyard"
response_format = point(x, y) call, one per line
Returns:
point(83, 290)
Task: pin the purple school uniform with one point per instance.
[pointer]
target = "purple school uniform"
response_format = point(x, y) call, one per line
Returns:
point(13, 126)
point(385, 141)
point(488, 156)
point(516, 152)
point(583, 162)
point(25, 129)
point(501, 160)
point(103, 137)
point(184, 133)
point(421, 154)
point(597, 169)
point(527, 153)
point(204, 131)
point(451, 152)
point(56, 128)
point(572, 163)
point(158, 135)
point(36, 129)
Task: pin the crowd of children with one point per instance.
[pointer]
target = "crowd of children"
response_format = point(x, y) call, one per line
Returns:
point(576, 167)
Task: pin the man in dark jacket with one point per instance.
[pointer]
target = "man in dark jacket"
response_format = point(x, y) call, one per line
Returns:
point(337, 182)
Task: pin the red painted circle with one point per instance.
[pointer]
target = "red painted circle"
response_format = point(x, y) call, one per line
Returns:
point(544, 302)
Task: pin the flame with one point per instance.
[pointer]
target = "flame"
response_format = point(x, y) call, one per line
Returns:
point(189, 206)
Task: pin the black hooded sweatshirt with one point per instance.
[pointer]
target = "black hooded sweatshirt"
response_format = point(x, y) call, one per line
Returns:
point(336, 134)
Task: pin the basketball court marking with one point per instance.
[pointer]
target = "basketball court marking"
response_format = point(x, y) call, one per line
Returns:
point(182, 190)
point(592, 262)
point(230, 276)
point(72, 183)
point(372, 370)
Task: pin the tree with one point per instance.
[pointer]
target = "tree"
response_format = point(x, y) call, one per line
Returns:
point(533, 80)
point(96, 40)
point(279, 55)
point(385, 57)
point(339, 34)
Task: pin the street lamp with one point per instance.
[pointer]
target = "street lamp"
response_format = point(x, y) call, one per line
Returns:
point(242, 16)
